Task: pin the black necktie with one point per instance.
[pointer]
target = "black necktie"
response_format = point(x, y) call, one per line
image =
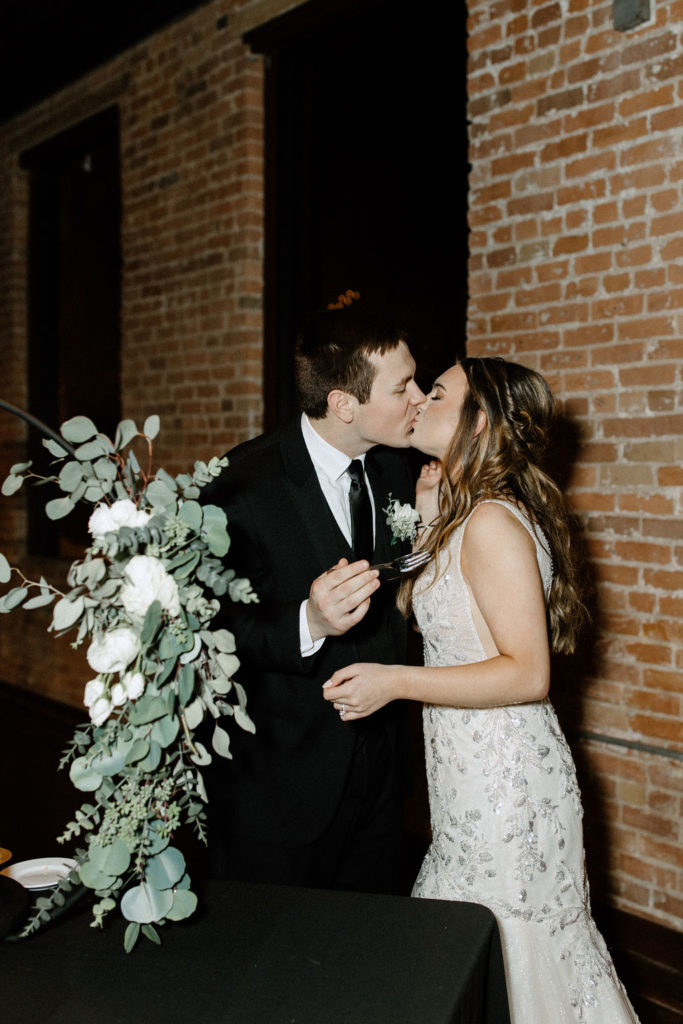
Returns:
point(361, 512)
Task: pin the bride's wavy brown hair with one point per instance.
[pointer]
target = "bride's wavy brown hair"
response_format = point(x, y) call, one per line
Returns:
point(504, 460)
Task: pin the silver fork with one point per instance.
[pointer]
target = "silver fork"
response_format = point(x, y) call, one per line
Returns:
point(402, 565)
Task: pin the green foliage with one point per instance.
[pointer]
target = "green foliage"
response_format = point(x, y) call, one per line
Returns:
point(144, 595)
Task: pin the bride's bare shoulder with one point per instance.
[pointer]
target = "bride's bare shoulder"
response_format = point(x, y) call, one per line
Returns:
point(492, 521)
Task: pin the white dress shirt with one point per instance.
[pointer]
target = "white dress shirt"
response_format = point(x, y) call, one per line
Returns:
point(331, 467)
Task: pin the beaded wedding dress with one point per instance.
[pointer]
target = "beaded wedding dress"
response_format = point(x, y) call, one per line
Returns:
point(506, 823)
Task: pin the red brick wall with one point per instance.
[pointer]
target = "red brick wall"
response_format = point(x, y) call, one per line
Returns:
point(576, 203)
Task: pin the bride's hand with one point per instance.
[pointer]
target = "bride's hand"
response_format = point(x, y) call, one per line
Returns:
point(359, 690)
point(427, 491)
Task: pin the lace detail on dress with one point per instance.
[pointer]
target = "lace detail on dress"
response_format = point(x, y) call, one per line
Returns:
point(506, 821)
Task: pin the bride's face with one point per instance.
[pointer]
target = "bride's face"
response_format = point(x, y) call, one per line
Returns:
point(439, 415)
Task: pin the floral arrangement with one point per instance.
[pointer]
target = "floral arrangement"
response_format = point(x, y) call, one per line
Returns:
point(144, 594)
point(401, 519)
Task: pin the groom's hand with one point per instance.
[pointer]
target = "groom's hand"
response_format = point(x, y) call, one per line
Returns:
point(340, 598)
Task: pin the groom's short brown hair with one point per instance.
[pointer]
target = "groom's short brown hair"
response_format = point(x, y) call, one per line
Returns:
point(332, 351)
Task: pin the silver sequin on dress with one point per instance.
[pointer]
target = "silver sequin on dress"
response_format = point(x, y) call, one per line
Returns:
point(506, 823)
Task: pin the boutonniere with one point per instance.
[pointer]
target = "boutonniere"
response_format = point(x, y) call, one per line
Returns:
point(401, 519)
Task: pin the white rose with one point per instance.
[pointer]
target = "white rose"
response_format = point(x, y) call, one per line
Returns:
point(94, 689)
point(114, 651)
point(130, 687)
point(148, 581)
point(109, 518)
point(100, 710)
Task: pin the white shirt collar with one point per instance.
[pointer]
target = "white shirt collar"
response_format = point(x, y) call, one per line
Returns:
point(327, 459)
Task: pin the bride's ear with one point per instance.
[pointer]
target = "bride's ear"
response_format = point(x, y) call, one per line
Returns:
point(480, 424)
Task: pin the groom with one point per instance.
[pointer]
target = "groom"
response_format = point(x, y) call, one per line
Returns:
point(308, 800)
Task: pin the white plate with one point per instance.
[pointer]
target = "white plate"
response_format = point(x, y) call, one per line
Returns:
point(42, 873)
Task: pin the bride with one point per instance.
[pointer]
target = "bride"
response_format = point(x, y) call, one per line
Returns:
point(498, 594)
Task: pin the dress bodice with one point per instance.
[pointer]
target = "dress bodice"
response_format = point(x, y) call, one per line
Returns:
point(443, 608)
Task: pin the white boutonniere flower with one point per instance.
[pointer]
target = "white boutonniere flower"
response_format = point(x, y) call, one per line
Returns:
point(402, 520)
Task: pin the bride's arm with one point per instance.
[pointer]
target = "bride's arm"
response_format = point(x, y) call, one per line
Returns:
point(498, 560)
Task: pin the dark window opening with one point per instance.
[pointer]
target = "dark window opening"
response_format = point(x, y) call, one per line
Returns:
point(74, 299)
point(367, 168)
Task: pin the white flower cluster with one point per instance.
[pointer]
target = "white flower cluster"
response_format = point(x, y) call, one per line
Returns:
point(401, 519)
point(148, 581)
point(110, 518)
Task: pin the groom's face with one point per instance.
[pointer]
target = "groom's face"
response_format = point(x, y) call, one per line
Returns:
point(389, 414)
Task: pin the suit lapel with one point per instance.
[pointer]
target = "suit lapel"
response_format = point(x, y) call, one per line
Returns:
point(308, 499)
point(381, 488)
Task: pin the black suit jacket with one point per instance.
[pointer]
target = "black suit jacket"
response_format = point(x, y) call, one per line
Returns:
point(284, 783)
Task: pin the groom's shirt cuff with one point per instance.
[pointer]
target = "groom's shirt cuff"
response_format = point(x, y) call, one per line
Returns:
point(306, 642)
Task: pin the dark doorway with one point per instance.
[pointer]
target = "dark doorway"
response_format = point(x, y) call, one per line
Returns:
point(366, 174)
point(74, 297)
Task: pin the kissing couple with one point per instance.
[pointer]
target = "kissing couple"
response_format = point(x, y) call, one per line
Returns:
point(314, 797)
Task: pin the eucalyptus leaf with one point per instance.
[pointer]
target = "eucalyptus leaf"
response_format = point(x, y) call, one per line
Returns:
point(190, 655)
point(184, 905)
point(79, 491)
point(66, 613)
point(214, 530)
point(229, 663)
point(224, 641)
point(165, 730)
point(188, 566)
point(83, 776)
point(131, 936)
point(191, 513)
point(151, 623)
point(5, 570)
point(94, 878)
point(20, 467)
point(144, 904)
point(39, 601)
point(185, 683)
point(243, 720)
point(166, 670)
point(13, 598)
point(106, 443)
point(54, 448)
point(11, 485)
point(77, 429)
point(138, 750)
point(96, 570)
point(58, 508)
point(112, 763)
point(150, 932)
point(125, 432)
point(220, 741)
point(200, 756)
point(160, 496)
point(167, 479)
point(113, 859)
point(194, 713)
point(221, 684)
point(164, 870)
point(151, 762)
point(151, 427)
point(147, 709)
point(90, 450)
point(70, 476)
point(93, 493)
point(105, 469)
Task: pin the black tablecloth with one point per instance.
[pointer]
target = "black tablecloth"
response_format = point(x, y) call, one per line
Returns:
point(267, 955)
